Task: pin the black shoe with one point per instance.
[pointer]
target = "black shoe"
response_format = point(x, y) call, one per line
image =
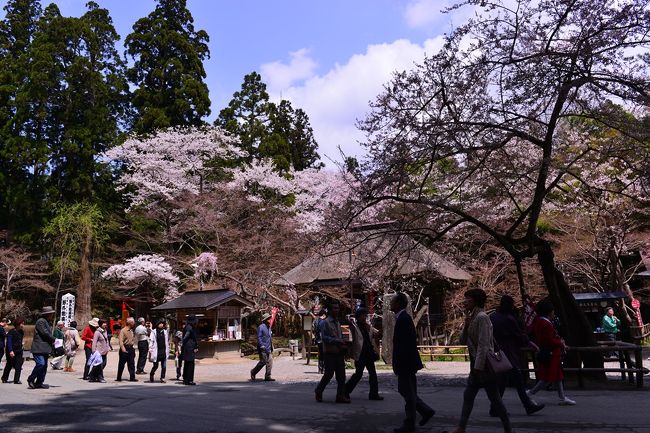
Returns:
point(534, 408)
point(18, 383)
point(42, 386)
point(425, 418)
point(101, 381)
point(5, 381)
point(270, 379)
point(118, 380)
point(189, 383)
point(133, 380)
point(252, 376)
point(376, 397)
point(30, 384)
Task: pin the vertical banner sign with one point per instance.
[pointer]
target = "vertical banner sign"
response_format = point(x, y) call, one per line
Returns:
point(67, 308)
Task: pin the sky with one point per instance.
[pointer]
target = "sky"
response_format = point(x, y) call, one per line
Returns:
point(328, 57)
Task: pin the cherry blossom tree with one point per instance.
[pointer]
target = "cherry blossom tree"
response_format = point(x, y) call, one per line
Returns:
point(309, 194)
point(475, 138)
point(170, 163)
point(149, 272)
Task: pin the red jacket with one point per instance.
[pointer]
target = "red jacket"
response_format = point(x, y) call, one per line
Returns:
point(87, 337)
point(545, 336)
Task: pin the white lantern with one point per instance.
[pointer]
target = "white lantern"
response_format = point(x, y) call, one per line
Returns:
point(67, 308)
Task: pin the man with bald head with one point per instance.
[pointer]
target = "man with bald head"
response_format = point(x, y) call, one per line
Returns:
point(127, 351)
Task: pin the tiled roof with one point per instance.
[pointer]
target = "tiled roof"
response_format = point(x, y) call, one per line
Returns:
point(205, 299)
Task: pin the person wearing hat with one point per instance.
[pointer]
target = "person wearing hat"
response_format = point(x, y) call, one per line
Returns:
point(3, 335)
point(87, 337)
point(364, 354)
point(264, 348)
point(190, 346)
point(42, 345)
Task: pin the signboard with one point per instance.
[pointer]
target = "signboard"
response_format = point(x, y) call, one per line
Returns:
point(67, 308)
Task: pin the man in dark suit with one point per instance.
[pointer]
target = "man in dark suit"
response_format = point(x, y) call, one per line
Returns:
point(406, 362)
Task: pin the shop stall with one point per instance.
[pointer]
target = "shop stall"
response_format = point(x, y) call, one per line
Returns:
point(219, 314)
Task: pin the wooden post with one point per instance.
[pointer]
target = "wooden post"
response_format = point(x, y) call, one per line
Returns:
point(581, 382)
point(638, 361)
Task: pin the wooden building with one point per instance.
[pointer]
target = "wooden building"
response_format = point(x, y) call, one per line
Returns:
point(364, 264)
point(219, 314)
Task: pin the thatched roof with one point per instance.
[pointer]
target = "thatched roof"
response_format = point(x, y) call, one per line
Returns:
point(359, 254)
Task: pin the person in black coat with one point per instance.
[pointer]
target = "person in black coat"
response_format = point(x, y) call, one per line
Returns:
point(406, 363)
point(14, 352)
point(510, 337)
point(190, 346)
point(42, 346)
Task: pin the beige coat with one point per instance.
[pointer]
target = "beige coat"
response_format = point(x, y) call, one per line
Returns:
point(479, 339)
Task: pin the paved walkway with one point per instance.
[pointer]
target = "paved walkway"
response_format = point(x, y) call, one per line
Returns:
point(224, 401)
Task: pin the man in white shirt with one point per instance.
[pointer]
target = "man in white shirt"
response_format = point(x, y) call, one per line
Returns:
point(142, 338)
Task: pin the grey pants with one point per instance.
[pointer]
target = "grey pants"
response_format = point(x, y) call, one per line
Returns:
point(266, 360)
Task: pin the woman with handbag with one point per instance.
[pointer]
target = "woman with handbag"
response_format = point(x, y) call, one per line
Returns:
point(477, 334)
point(364, 354)
point(59, 351)
point(549, 358)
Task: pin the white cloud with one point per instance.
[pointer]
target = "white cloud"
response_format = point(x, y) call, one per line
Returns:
point(422, 13)
point(279, 76)
point(428, 14)
point(335, 100)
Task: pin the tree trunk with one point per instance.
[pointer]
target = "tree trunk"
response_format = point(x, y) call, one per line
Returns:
point(571, 316)
point(84, 293)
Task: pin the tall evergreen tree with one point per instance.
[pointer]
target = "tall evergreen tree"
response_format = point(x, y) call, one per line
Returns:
point(168, 71)
point(75, 99)
point(247, 114)
point(269, 130)
point(20, 184)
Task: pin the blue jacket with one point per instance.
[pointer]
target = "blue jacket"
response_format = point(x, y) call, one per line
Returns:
point(264, 342)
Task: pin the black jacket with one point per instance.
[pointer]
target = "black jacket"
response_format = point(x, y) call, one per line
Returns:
point(16, 341)
point(43, 340)
point(3, 335)
point(406, 358)
point(189, 343)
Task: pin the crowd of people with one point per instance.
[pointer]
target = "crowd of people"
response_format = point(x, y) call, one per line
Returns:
point(62, 344)
point(485, 335)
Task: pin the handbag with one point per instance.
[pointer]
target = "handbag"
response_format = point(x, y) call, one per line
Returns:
point(497, 361)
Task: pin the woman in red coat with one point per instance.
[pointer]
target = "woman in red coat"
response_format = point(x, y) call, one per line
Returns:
point(551, 346)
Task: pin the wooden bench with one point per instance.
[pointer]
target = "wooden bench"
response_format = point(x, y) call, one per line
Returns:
point(433, 351)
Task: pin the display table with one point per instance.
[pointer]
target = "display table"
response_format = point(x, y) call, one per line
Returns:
point(219, 349)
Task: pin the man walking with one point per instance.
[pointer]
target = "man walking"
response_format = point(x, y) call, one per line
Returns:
point(264, 348)
point(333, 353)
point(406, 363)
point(190, 346)
point(142, 337)
point(127, 351)
point(42, 345)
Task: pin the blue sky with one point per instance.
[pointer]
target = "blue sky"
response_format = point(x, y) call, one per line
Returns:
point(328, 57)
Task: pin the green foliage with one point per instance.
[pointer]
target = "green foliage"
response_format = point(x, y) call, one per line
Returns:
point(70, 227)
point(168, 71)
point(268, 130)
